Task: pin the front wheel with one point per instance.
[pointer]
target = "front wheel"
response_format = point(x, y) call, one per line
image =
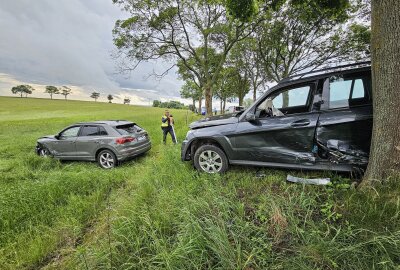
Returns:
point(210, 159)
point(107, 159)
point(43, 152)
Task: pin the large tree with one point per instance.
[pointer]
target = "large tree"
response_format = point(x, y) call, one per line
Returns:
point(52, 90)
point(246, 57)
point(385, 147)
point(174, 30)
point(65, 91)
point(95, 96)
point(110, 98)
point(22, 89)
point(224, 87)
point(191, 90)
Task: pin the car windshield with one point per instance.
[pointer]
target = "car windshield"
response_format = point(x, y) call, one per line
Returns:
point(128, 129)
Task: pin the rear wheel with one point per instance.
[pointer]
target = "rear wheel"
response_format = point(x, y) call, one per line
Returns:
point(210, 159)
point(107, 159)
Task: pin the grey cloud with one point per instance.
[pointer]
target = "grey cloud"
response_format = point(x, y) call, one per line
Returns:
point(70, 42)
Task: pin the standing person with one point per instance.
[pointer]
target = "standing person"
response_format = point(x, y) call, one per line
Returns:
point(167, 122)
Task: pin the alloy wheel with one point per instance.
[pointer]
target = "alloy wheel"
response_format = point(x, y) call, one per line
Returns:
point(210, 161)
point(106, 160)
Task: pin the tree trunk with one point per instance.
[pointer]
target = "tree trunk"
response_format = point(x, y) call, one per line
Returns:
point(254, 93)
point(208, 97)
point(200, 100)
point(223, 108)
point(285, 99)
point(194, 105)
point(51, 96)
point(385, 145)
point(220, 107)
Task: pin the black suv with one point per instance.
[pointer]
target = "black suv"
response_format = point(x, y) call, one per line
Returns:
point(321, 120)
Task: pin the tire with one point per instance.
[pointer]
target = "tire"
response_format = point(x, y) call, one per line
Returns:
point(107, 159)
point(210, 159)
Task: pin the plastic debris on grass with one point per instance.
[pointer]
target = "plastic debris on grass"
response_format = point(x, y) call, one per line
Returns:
point(315, 181)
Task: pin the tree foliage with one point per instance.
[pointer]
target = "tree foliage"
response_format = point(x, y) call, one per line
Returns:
point(110, 98)
point(22, 89)
point(95, 95)
point(65, 91)
point(127, 101)
point(305, 35)
point(192, 91)
point(52, 90)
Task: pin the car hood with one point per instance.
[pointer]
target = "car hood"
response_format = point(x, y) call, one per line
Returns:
point(51, 137)
point(218, 120)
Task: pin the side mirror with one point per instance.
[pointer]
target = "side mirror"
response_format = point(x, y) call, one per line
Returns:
point(250, 117)
point(57, 136)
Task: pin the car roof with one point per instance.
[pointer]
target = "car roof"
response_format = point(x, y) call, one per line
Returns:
point(321, 73)
point(107, 122)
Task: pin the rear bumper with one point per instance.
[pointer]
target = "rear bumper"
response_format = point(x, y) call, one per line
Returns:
point(131, 152)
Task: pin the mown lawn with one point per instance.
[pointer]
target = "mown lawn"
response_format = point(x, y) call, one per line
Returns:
point(156, 212)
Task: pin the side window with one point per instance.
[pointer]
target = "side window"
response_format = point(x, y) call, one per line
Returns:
point(102, 131)
point(345, 92)
point(70, 132)
point(292, 98)
point(358, 89)
point(90, 131)
point(289, 101)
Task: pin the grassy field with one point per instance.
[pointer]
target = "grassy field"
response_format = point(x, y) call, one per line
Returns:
point(156, 212)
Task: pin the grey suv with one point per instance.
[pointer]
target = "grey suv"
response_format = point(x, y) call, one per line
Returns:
point(320, 120)
point(107, 142)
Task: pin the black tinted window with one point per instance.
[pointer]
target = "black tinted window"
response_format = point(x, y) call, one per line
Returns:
point(90, 131)
point(128, 129)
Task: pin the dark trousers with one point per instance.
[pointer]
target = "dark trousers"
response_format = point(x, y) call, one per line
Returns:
point(167, 130)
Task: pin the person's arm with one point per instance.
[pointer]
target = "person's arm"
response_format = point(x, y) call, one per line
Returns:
point(164, 119)
point(171, 119)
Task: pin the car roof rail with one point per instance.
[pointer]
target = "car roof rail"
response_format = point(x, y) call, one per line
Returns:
point(331, 69)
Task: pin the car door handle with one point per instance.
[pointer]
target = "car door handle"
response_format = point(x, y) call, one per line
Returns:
point(300, 123)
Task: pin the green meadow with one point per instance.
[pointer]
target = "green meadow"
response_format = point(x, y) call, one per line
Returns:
point(156, 212)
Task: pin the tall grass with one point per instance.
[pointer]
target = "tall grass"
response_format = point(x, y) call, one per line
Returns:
point(174, 218)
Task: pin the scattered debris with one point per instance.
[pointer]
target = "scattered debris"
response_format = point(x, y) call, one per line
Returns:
point(316, 181)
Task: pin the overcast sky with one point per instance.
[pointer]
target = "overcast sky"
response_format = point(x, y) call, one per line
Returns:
point(69, 42)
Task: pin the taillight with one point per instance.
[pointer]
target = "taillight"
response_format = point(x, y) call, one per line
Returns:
point(124, 140)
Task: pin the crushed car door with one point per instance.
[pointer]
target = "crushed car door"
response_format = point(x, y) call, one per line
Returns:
point(283, 130)
point(345, 125)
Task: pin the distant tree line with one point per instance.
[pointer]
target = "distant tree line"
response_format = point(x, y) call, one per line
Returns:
point(169, 104)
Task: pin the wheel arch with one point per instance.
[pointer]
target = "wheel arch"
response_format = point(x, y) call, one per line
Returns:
point(104, 148)
point(198, 142)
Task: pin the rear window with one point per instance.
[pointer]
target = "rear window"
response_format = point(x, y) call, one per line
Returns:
point(345, 91)
point(128, 129)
